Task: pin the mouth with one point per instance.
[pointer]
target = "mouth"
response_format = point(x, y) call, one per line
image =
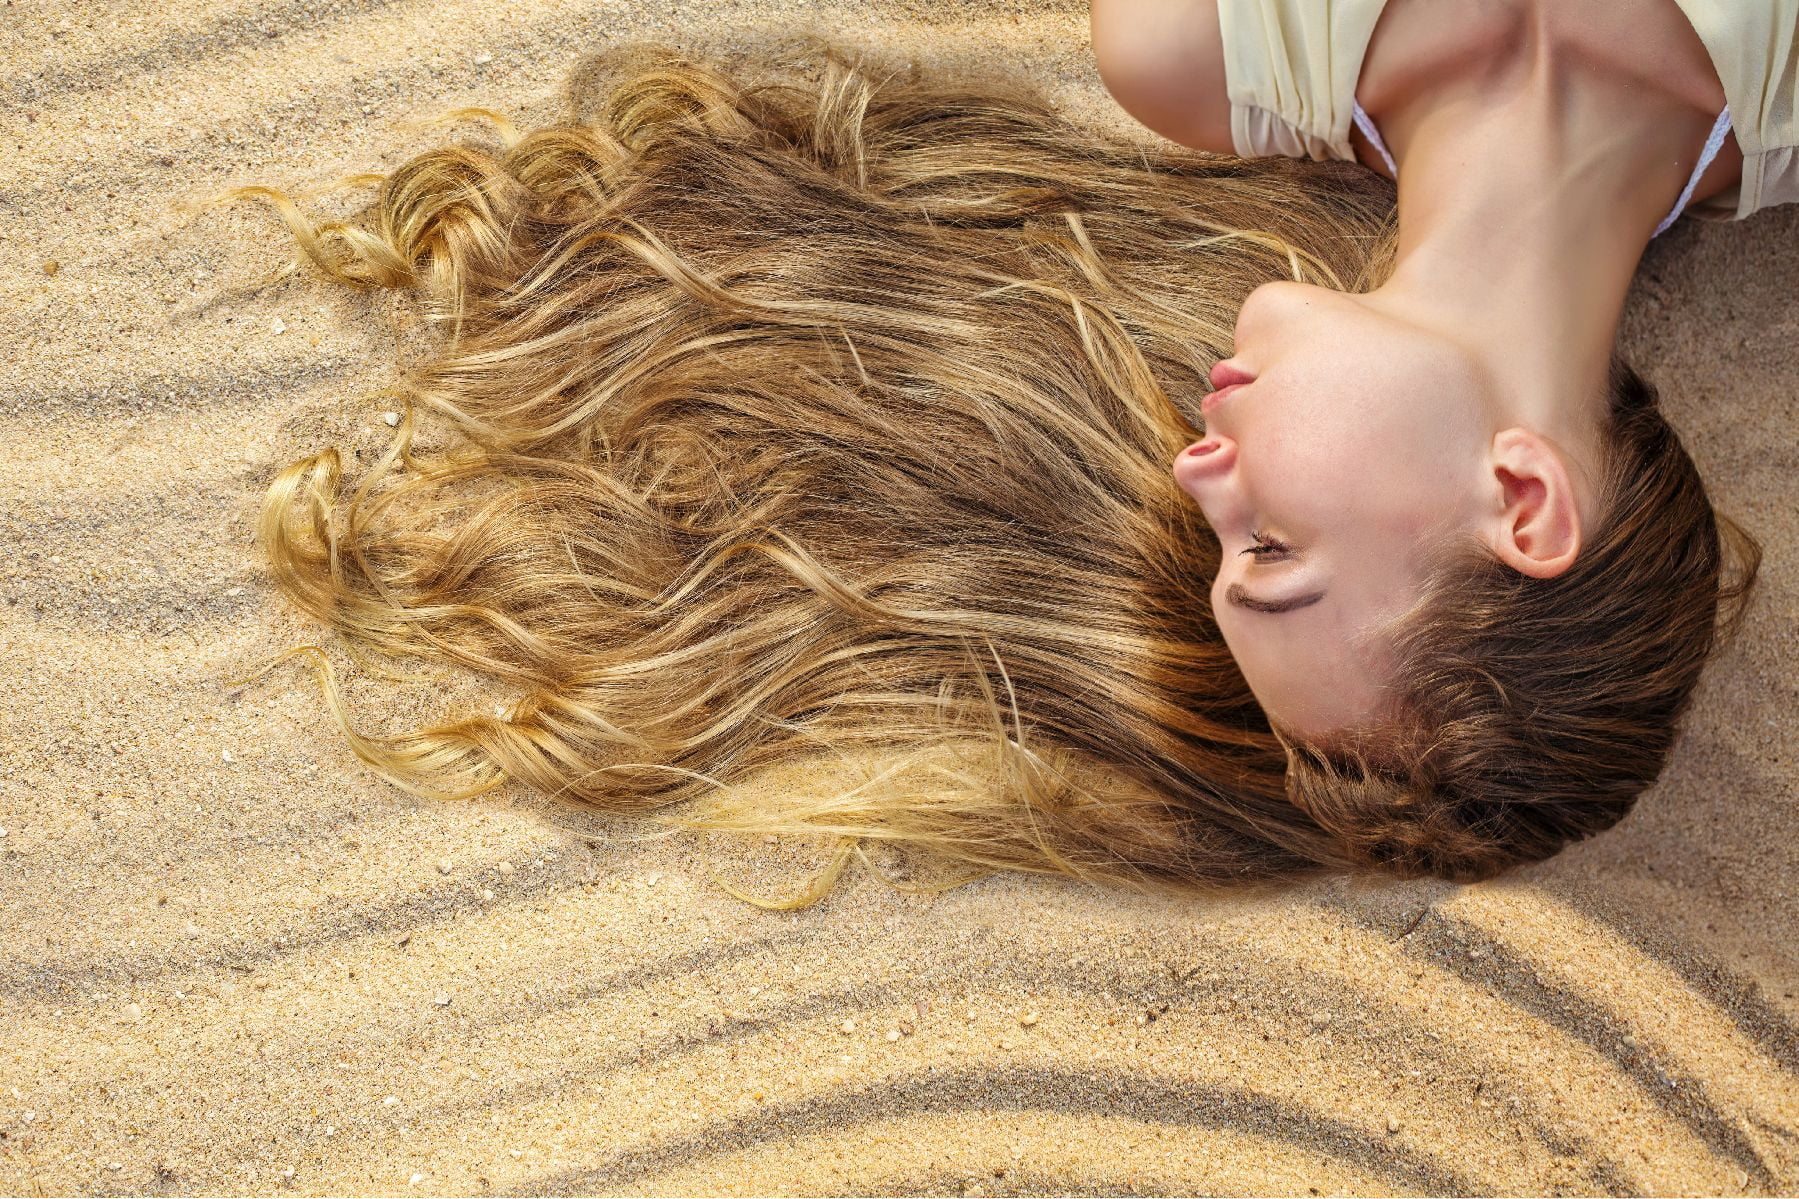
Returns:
point(1213, 399)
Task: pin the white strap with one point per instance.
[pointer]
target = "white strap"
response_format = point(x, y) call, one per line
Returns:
point(1720, 129)
point(1713, 143)
point(1363, 123)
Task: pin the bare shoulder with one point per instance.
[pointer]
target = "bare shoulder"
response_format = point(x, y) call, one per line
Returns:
point(1163, 61)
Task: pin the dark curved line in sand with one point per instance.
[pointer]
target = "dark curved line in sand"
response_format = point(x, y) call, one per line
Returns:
point(1508, 976)
point(1020, 1182)
point(1738, 998)
point(149, 610)
point(1023, 1091)
point(161, 392)
point(21, 981)
point(184, 47)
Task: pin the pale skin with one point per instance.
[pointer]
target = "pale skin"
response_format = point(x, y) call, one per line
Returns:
point(1539, 143)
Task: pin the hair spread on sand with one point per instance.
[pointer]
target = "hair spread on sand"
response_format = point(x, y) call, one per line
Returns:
point(815, 405)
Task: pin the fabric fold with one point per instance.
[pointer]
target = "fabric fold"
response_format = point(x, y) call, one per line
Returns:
point(1291, 69)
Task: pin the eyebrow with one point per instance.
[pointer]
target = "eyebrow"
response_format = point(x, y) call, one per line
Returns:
point(1242, 599)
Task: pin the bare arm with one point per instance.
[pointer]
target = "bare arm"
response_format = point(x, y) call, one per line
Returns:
point(1163, 61)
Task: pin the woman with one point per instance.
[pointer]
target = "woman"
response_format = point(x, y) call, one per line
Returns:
point(1452, 457)
point(814, 406)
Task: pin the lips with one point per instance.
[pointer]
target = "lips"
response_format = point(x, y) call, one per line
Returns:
point(1226, 377)
point(1213, 399)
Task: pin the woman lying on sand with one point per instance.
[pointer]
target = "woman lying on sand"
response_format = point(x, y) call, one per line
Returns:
point(818, 407)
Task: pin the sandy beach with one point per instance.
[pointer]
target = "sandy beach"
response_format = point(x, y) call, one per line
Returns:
point(232, 960)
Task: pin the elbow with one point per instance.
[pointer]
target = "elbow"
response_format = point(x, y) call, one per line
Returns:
point(1163, 62)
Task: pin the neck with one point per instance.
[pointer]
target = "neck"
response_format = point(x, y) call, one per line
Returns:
point(1525, 204)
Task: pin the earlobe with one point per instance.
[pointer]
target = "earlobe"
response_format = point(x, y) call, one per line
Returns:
point(1536, 528)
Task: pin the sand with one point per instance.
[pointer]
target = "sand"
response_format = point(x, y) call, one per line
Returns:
point(234, 961)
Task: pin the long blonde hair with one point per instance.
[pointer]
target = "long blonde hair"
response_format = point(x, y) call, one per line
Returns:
point(813, 406)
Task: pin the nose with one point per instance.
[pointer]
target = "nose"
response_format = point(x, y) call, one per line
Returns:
point(1204, 461)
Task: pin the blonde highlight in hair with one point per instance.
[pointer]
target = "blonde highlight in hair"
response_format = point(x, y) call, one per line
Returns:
point(812, 408)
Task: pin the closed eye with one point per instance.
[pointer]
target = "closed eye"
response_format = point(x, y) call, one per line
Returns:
point(1236, 596)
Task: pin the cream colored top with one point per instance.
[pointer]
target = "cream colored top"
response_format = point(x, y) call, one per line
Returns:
point(1291, 66)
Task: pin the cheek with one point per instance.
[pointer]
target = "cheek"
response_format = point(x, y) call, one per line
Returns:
point(1303, 473)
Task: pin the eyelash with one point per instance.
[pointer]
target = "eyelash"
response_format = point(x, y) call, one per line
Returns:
point(1265, 545)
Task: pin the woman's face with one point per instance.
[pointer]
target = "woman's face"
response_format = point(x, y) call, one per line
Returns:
point(1358, 442)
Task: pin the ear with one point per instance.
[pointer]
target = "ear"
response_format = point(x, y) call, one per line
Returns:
point(1536, 528)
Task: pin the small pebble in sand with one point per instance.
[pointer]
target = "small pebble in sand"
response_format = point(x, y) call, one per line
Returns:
point(390, 1101)
point(226, 754)
point(1320, 1018)
point(1630, 1040)
point(1028, 1019)
point(392, 419)
point(277, 326)
point(847, 1026)
point(443, 866)
point(504, 867)
point(2, 832)
point(516, 1152)
point(441, 999)
point(483, 58)
point(115, 1165)
point(893, 1034)
point(52, 266)
point(1005, 1042)
point(132, 1012)
point(415, 1180)
point(487, 894)
point(191, 929)
point(844, 1058)
point(1392, 1123)
point(288, 1173)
